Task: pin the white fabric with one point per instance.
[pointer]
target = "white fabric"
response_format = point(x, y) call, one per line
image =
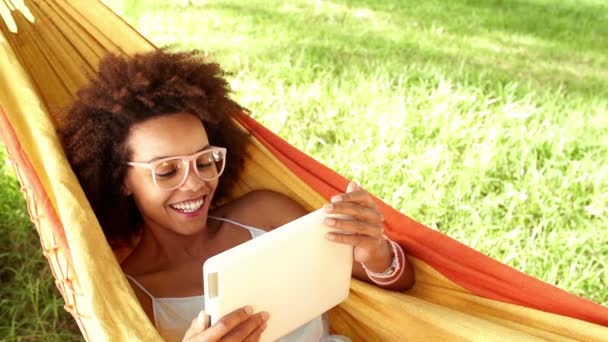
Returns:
point(173, 316)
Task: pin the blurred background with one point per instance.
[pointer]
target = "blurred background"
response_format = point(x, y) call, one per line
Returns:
point(484, 119)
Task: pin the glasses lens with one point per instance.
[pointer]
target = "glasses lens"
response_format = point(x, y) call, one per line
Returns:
point(210, 165)
point(169, 174)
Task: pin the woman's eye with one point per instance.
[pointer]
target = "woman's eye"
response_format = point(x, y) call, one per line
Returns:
point(203, 162)
point(203, 165)
point(165, 170)
point(165, 174)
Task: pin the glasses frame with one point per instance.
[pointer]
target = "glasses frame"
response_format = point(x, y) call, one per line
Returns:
point(186, 160)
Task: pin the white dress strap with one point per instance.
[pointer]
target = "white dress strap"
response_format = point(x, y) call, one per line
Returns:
point(140, 286)
point(255, 232)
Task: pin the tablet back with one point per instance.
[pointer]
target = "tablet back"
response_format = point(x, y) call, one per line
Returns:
point(293, 272)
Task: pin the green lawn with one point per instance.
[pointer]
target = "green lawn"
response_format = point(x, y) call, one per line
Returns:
point(486, 119)
point(30, 306)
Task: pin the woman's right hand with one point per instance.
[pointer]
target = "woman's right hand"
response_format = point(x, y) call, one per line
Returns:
point(239, 325)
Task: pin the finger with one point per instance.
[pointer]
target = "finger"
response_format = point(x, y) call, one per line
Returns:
point(257, 333)
point(356, 211)
point(228, 322)
point(354, 240)
point(243, 330)
point(358, 196)
point(352, 186)
point(356, 227)
point(198, 325)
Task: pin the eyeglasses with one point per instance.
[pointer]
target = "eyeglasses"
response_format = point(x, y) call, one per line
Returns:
point(171, 172)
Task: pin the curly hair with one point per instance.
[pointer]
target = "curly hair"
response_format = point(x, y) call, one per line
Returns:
point(129, 90)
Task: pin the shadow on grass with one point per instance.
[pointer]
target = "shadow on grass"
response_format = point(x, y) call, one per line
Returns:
point(544, 46)
point(567, 23)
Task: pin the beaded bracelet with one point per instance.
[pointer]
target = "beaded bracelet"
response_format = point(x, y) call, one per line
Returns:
point(397, 273)
point(393, 269)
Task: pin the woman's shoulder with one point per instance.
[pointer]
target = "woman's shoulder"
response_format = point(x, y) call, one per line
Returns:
point(264, 209)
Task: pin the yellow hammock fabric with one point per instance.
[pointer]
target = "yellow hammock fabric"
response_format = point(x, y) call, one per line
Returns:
point(46, 50)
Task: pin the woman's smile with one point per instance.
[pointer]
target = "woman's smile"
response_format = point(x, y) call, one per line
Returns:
point(190, 208)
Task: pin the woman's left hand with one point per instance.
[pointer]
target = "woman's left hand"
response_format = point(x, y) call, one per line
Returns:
point(363, 229)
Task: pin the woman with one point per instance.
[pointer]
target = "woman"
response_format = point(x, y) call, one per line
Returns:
point(154, 146)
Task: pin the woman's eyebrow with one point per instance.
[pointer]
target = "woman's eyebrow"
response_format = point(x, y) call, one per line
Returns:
point(163, 157)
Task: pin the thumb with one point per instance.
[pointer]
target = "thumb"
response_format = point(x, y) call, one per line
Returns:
point(198, 325)
point(202, 320)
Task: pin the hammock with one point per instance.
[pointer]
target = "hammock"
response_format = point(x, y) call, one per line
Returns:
point(46, 50)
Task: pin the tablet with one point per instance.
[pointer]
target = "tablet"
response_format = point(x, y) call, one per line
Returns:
point(293, 272)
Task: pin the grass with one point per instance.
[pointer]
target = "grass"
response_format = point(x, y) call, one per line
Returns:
point(486, 120)
point(30, 306)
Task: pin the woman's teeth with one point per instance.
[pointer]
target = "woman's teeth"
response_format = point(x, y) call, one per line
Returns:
point(188, 207)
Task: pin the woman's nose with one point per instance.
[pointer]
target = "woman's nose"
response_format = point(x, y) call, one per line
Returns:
point(192, 182)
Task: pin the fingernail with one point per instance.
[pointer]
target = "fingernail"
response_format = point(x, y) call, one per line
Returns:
point(330, 236)
point(336, 199)
point(264, 326)
point(200, 319)
point(265, 316)
point(330, 221)
point(328, 207)
point(248, 310)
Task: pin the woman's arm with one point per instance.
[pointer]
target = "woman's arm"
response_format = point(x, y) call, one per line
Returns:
point(268, 209)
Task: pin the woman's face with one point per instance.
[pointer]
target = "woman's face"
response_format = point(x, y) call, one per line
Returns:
point(182, 210)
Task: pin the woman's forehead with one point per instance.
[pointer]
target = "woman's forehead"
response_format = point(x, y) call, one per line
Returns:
point(174, 134)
